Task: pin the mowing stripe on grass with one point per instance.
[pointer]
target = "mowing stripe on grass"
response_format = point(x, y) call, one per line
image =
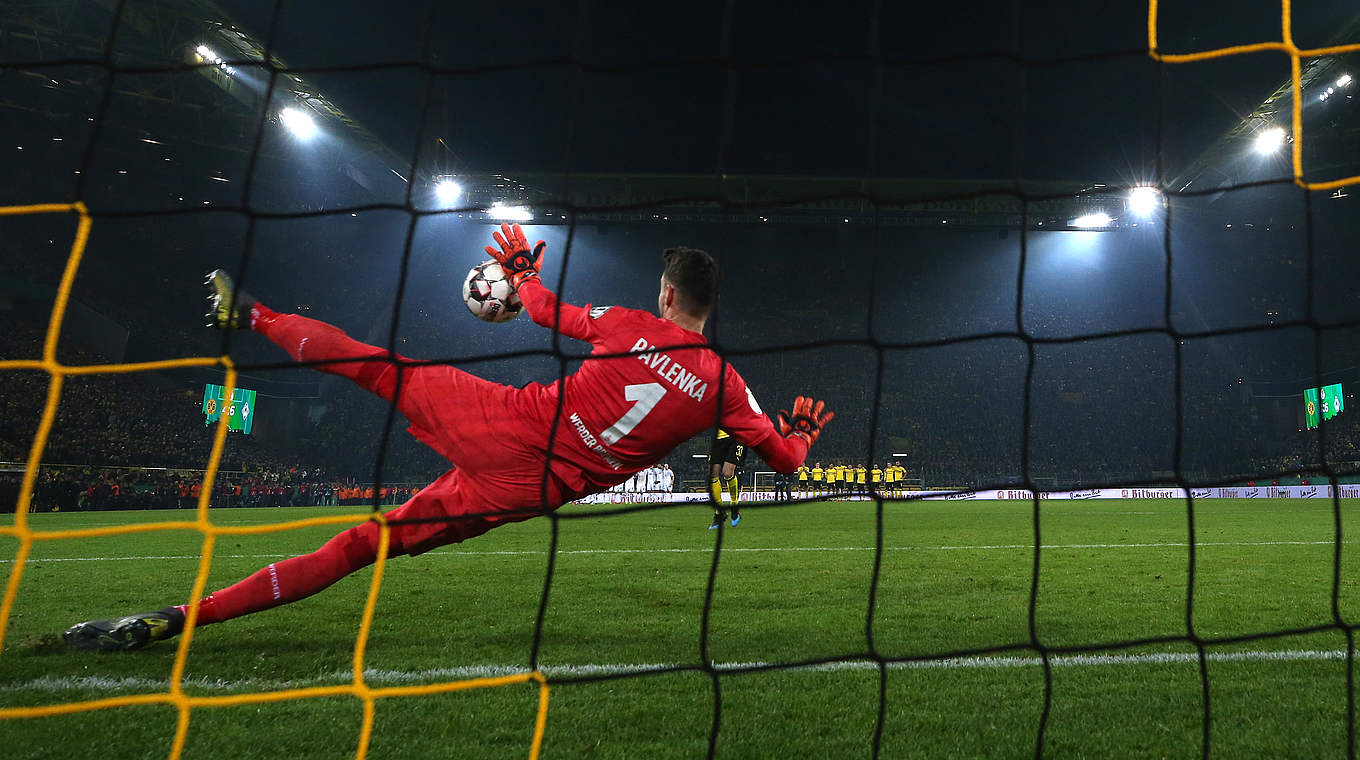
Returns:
point(747, 549)
point(435, 675)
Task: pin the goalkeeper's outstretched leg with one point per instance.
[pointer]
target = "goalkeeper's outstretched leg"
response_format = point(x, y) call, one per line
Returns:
point(306, 340)
point(465, 516)
point(459, 415)
point(276, 584)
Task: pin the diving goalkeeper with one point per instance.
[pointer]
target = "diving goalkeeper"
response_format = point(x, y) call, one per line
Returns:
point(515, 454)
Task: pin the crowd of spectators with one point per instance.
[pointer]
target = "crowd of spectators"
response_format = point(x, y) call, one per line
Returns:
point(68, 488)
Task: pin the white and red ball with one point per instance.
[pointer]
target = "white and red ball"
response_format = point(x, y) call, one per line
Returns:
point(489, 295)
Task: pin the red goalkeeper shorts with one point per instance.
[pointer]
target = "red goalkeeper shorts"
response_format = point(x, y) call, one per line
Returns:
point(449, 511)
point(489, 432)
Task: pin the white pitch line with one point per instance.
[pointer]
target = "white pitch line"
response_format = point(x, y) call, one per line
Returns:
point(738, 550)
point(436, 675)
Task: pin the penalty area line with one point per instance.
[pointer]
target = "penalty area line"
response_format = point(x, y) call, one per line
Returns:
point(435, 675)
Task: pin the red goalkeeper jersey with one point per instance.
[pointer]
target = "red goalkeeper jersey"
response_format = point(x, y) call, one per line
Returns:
point(662, 386)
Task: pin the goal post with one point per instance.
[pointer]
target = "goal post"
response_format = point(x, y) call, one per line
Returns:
point(762, 486)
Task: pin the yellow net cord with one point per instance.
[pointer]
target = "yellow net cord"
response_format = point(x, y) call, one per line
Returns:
point(186, 703)
point(175, 695)
point(1284, 45)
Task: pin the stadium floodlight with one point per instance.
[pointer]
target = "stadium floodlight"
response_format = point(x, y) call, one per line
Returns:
point(505, 213)
point(1092, 221)
point(1344, 80)
point(208, 55)
point(447, 191)
point(299, 123)
point(1269, 140)
point(1143, 201)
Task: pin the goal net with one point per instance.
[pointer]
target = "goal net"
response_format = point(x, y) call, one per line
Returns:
point(114, 214)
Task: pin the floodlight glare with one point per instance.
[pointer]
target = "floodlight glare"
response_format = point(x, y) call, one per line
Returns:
point(1143, 201)
point(299, 123)
point(447, 191)
point(1344, 80)
point(1269, 140)
point(1092, 221)
point(506, 213)
point(207, 54)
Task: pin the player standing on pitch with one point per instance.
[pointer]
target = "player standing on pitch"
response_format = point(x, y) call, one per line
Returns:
point(661, 385)
point(726, 455)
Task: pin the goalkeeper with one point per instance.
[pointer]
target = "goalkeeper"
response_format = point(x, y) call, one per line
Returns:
point(514, 455)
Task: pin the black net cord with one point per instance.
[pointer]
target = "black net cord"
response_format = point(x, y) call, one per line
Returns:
point(574, 95)
point(880, 63)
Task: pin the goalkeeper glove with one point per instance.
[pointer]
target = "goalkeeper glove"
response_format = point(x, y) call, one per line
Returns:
point(514, 256)
point(807, 419)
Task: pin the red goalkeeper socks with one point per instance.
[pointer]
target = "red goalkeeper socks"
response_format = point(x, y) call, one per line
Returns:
point(261, 316)
point(311, 340)
point(296, 578)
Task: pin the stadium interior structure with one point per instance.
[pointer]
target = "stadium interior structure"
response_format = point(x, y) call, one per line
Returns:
point(170, 169)
point(1040, 258)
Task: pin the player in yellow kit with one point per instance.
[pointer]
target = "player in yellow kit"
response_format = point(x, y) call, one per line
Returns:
point(726, 455)
point(818, 474)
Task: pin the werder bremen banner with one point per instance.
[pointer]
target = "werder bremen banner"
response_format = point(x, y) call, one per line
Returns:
point(1333, 401)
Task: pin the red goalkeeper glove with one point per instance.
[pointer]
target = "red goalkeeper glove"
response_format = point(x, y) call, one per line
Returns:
point(514, 256)
point(807, 419)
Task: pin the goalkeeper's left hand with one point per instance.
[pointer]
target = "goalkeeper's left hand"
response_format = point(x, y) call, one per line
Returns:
point(807, 419)
point(514, 256)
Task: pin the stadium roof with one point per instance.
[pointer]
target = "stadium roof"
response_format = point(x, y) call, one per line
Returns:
point(56, 59)
point(1331, 135)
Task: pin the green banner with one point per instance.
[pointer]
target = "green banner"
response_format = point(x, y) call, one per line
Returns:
point(240, 411)
point(1312, 414)
point(1333, 401)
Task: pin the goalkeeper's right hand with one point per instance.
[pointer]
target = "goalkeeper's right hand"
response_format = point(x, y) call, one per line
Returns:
point(807, 419)
point(514, 256)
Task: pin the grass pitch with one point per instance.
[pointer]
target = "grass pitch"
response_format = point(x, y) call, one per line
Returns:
point(793, 585)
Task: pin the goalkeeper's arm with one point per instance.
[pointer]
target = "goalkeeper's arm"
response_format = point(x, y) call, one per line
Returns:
point(545, 309)
point(786, 448)
point(522, 267)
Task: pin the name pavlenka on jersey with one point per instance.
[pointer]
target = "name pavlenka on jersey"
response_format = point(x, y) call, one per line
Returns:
point(670, 371)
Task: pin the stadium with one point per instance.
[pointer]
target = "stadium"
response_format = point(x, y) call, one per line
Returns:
point(1077, 280)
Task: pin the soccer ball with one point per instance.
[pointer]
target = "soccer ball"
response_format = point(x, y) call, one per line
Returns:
point(488, 293)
